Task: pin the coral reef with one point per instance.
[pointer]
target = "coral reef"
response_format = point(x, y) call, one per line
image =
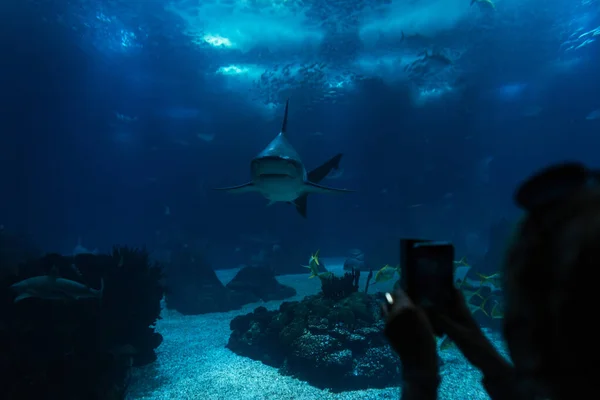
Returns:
point(334, 287)
point(334, 343)
point(75, 349)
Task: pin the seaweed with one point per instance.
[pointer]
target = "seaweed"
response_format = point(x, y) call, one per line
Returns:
point(336, 288)
point(368, 280)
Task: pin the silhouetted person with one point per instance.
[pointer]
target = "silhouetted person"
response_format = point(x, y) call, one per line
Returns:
point(551, 302)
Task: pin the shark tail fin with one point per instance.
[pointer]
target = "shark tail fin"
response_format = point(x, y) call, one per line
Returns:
point(300, 204)
point(285, 117)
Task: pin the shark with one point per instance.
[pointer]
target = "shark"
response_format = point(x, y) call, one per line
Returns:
point(279, 175)
point(52, 287)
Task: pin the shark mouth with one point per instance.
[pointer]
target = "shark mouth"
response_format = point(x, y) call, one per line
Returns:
point(275, 176)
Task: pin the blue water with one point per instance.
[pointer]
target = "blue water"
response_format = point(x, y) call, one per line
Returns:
point(118, 119)
point(113, 111)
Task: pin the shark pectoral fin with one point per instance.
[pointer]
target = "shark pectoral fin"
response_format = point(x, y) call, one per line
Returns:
point(311, 187)
point(270, 203)
point(319, 173)
point(22, 296)
point(300, 204)
point(245, 188)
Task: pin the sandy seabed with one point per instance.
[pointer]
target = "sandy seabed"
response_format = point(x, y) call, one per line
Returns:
point(193, 363)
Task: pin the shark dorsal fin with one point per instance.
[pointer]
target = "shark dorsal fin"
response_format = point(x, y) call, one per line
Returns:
point(53, 272)
point(285, 117)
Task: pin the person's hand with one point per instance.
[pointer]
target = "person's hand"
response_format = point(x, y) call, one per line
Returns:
point(455, 311)
point(456, 321)
point(410, 334)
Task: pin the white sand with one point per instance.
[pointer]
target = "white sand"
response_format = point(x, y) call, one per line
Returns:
point(193, 362)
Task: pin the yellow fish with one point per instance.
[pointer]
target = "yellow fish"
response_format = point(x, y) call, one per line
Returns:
point(314, 257)
point(497, 312)
point(461, 269)
point(445, 343)
point(313, 265)
point(386, 273)
point(325, 275)
point(494, 279)
point(462, 262)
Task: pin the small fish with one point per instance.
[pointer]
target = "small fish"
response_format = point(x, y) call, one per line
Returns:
point(445, 343)
point(416, 39)
point(326, 275)
point(494, 279)
point(207, 137)
point(315, 258)
point(461, 269)
point(180, 113)
point(461, 262)
point(497, 312)
point(80, 249)
point(313, 265)
point(532, 111)
point(593, 115)
point(491, 308)
point(386, 273)
point(484, 4)
point(125, 118)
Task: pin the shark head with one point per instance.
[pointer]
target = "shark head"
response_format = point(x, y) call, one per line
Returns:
point(277, 171)
point(279, 175)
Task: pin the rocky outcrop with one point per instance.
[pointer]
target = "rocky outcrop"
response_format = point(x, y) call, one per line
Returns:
point(334, 343)
point(253, 284)
point(194, 288)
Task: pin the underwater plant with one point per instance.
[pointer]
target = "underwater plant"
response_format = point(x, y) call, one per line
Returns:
point(368, 281)
point(336, 288)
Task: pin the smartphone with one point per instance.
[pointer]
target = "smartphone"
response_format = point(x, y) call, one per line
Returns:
point(427, 269)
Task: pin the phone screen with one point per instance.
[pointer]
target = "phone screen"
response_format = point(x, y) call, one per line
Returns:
point(427, 270)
